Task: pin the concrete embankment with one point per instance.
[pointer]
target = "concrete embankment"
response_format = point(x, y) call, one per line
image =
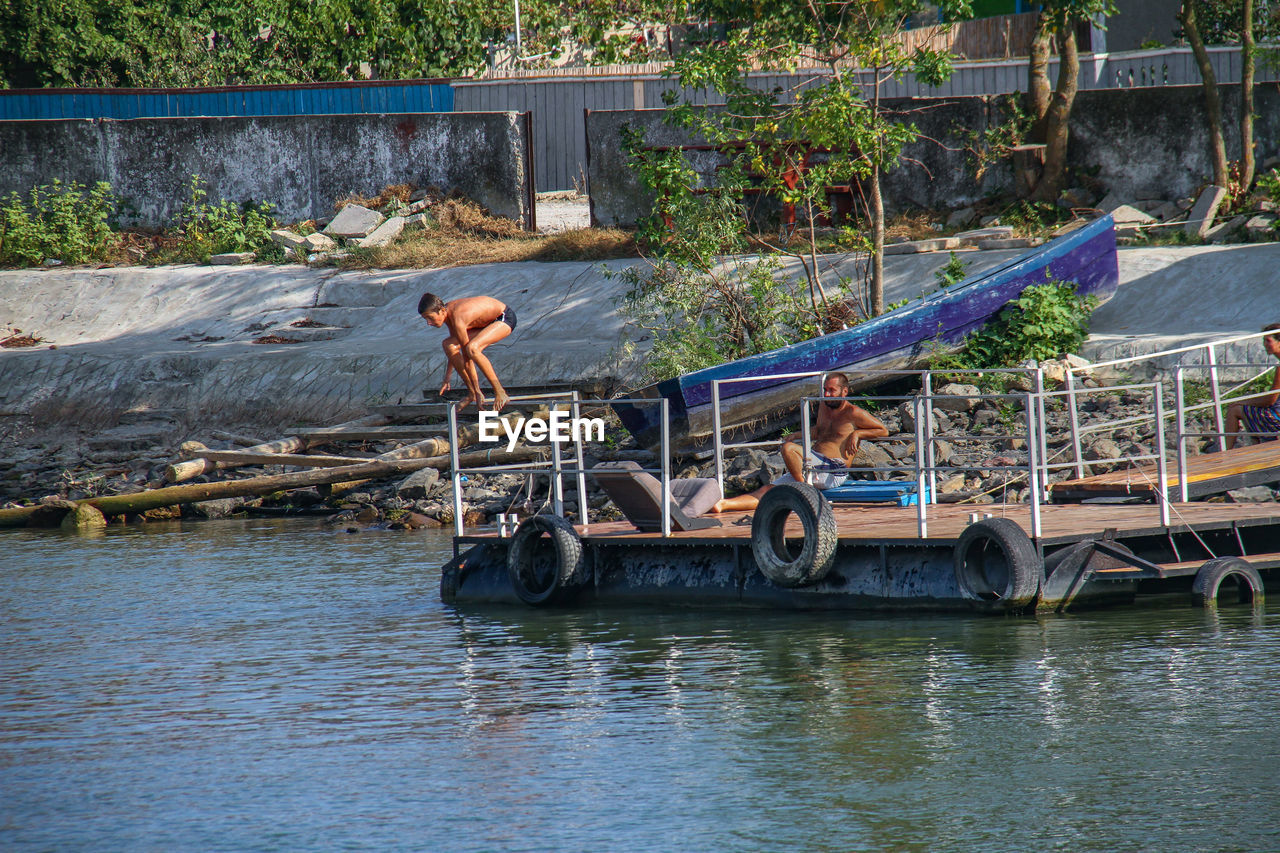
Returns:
point(276, 345)
point(188, 341)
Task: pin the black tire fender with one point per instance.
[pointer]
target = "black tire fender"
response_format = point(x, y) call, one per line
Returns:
point(780, 563)
point(544, 560)
point(996, 563)
point(1210, 577)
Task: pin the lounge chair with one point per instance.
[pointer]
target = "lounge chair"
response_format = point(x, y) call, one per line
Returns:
point(639, 495)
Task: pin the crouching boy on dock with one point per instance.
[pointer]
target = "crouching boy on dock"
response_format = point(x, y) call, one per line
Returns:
point(1261, 414)
point(474, 323)
point(839, 430)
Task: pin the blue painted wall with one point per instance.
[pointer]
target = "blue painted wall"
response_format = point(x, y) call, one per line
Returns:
point(426, 96)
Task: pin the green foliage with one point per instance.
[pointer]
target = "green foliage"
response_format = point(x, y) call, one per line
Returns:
point(951, 273)
point(210, 229)
point(699, 313)
point(1221, 21)
point(198, 43)
point(1270, 184)
point(67, 222)
point(1033, 216)
point(1045, 321)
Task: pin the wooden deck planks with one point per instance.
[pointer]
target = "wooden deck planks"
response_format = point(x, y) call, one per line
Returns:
point(878, 522)
point(1142, 479)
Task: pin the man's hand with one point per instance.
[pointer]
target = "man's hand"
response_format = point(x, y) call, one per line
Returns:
point(444, 386)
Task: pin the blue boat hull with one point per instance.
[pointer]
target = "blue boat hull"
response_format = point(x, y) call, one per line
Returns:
point(901, 338)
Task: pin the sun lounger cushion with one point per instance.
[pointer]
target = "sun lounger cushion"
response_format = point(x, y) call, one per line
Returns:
point(638, 494)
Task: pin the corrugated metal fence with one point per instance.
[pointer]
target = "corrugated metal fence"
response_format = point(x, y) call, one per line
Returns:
point(397, 96)
point(558, 102)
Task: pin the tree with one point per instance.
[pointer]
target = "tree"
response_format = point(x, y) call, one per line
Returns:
point(1051, 113)
point(1212, 97)
point(1206, 22)
point(832, 129)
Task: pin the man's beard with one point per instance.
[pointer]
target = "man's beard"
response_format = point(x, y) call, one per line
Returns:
point(833, 404)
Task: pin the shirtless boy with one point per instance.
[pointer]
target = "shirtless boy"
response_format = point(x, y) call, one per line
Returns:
point(474, 322)
point(840, 429)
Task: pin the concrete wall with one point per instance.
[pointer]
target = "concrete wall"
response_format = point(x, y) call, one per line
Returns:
point(1141, 143)
point(300, 164)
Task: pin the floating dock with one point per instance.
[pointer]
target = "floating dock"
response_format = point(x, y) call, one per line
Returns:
point(1131, 533)
point(1086, 555)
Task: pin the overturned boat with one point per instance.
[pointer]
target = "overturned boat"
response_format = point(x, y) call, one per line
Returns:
point(900, 339)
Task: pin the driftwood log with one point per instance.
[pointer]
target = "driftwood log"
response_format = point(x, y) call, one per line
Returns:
point(180, 472)
point(139, 502)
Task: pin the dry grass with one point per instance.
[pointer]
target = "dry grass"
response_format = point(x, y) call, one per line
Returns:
point(400, 192)
point(916, 225)
point(433, 250)
point(464, 233)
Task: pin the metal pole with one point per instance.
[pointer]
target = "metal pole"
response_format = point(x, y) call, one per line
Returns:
point(930, 458)
point(666, 468)
point(715, 430)
point(1042, 424)
point(1075, 423)
point(1162, 466)
point(1033, 463)
point(1181, 409)
point(455, 474)
point(557, 478)
point(518, 50)
point(580, 463)
point(922, 523)
point(804, 439)
point(1212, 361)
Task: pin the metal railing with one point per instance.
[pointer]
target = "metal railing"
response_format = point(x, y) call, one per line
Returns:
point(1209, 361)
point(555, 467)
point(925, 469)
point(1039, 467)
point(1183, 411)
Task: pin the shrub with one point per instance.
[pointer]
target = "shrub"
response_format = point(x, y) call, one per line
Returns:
point(67, 222)
point(1045, 321)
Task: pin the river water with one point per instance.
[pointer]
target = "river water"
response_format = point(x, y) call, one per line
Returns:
point(279, 685)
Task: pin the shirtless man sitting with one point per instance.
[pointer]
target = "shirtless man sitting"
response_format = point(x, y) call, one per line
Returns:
point(474, 323)
point(840, 429)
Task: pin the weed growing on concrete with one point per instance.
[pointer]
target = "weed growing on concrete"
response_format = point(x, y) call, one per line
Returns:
point(210, 229)
point(70, 223)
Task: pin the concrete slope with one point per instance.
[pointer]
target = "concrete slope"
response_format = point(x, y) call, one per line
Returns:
point(180, 340)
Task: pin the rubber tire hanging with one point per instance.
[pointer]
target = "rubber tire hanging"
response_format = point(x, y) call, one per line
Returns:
point(544, 560)
point(784, 565)
point(1209, 579)
point(996, 563)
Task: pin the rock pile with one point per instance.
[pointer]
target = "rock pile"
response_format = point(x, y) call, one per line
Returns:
point(982, 442)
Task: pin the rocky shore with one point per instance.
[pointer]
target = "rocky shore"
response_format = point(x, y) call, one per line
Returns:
point(977, 437)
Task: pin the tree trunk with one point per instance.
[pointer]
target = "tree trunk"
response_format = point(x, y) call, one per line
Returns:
point(180, 471)
point(1247, 164)
point(1038, 89)
point(876, 292)
point(1212, 98)
point(1056, 120)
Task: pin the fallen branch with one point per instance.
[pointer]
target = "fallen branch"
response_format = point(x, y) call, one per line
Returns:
point(181, 471)
point(112, 505)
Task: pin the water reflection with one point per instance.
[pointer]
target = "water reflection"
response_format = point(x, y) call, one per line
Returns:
point(277, 685)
